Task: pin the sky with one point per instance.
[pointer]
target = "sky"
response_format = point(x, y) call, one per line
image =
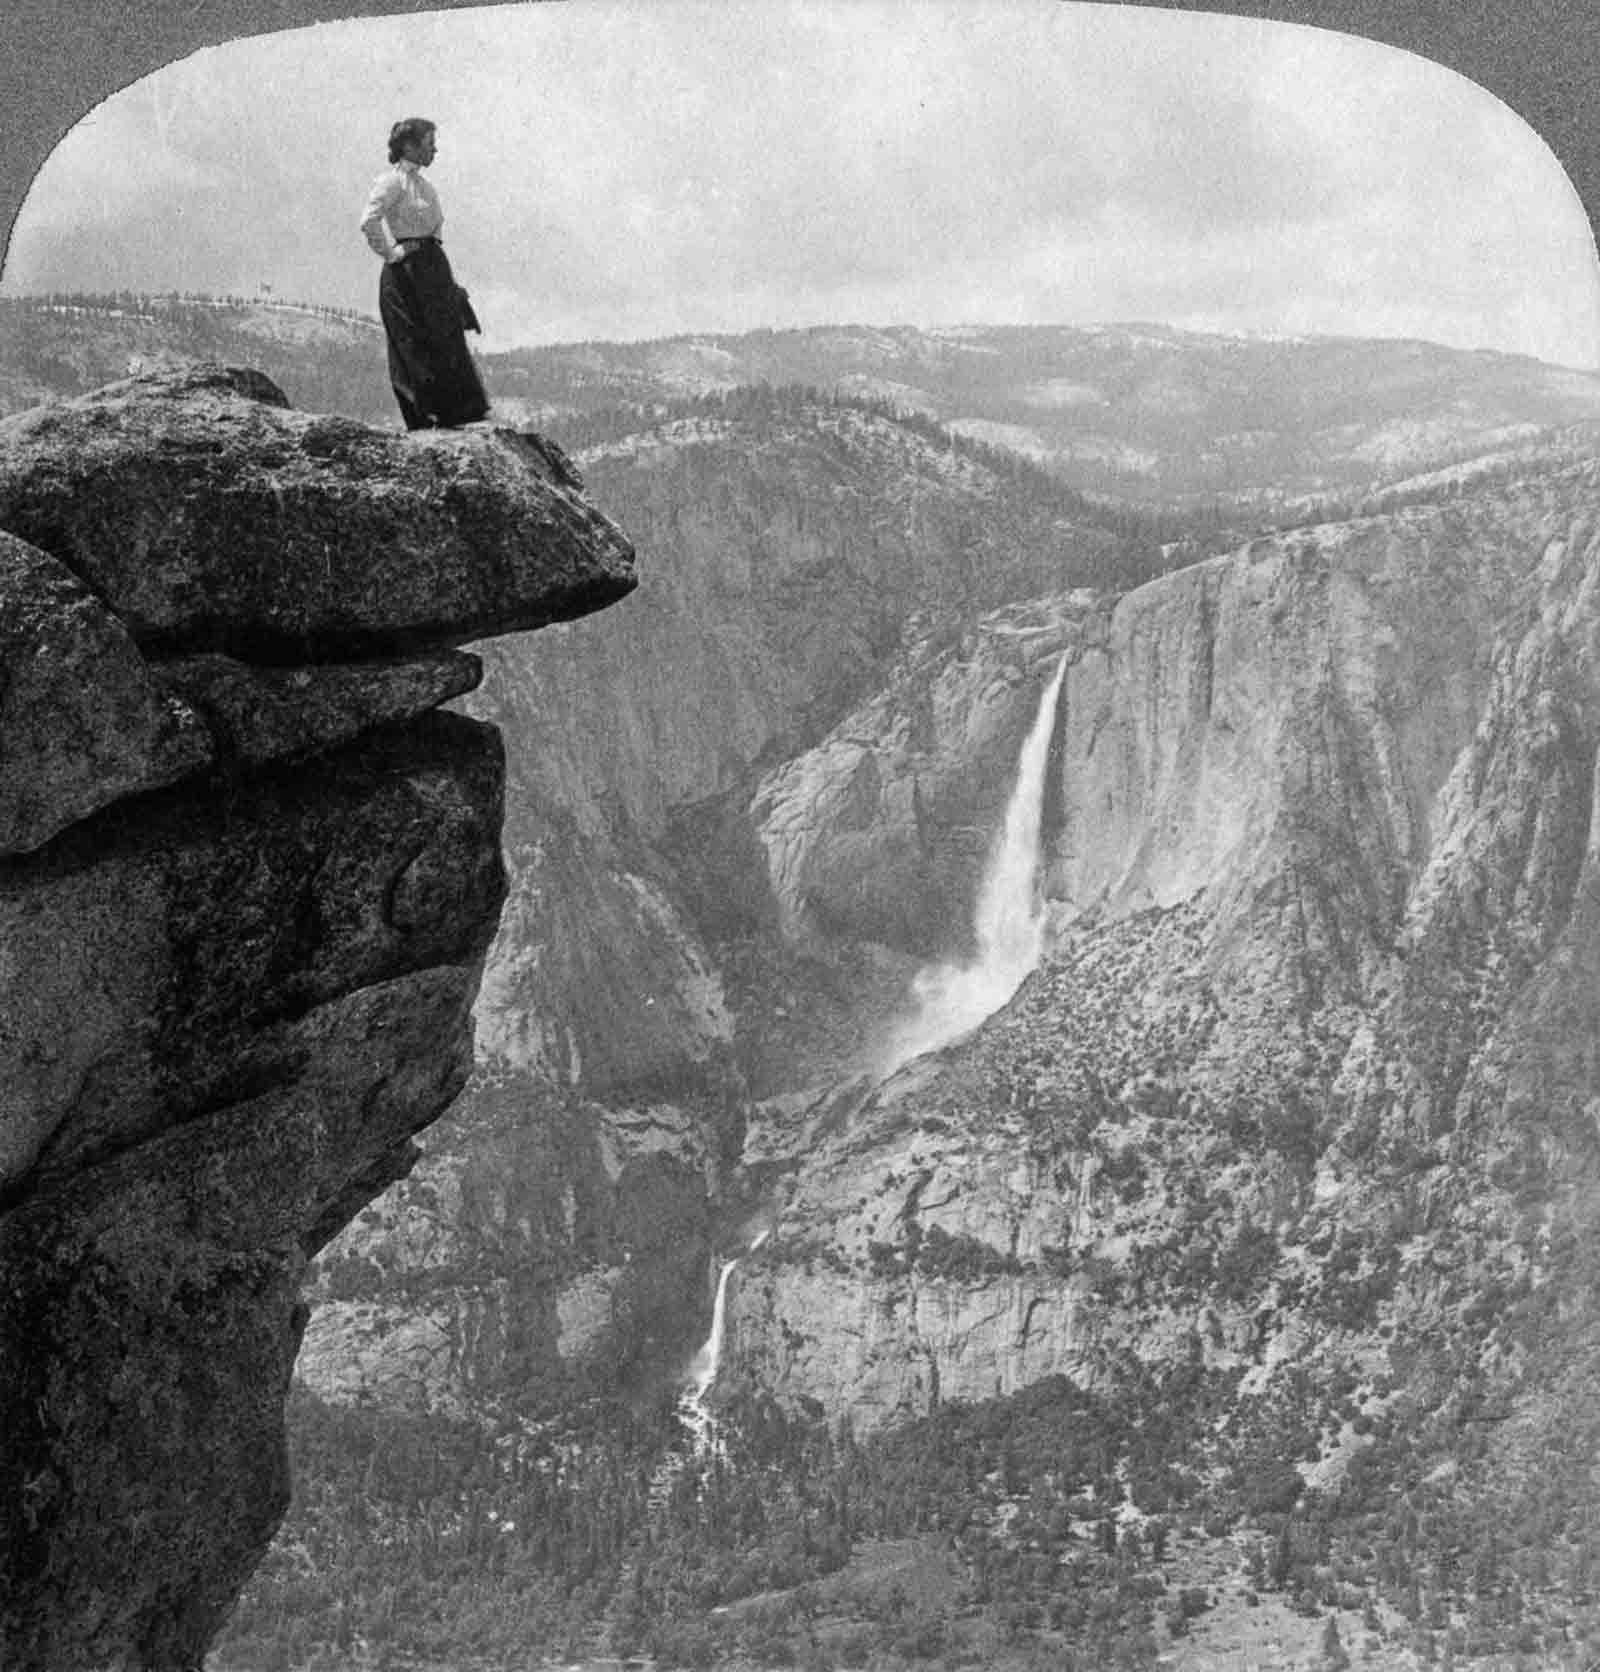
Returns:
point(624, 171)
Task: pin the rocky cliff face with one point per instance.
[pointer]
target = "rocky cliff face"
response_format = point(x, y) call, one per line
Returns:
point(1300, 1086)
point(1187, 706)
point(548, 1247)
point(880, 831)
point(1248, 789)
point(798, 549)
point(249, 880)
point(802, 549)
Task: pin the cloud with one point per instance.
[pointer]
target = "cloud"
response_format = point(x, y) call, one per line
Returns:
point(630, 169)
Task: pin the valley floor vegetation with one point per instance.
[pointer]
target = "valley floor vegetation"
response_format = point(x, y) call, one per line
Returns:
point(1045, 1530)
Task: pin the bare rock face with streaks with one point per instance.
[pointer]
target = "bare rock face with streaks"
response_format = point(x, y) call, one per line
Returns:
point(540, 1251)
point(881, 830)
point(249, 879)
point(1306, 1072)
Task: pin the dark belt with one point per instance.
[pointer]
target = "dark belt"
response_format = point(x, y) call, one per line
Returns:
point(409, 244)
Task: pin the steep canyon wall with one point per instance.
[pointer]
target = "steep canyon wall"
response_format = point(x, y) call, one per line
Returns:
point(644, 984)
point(1303, 1070)
point(1256, 783)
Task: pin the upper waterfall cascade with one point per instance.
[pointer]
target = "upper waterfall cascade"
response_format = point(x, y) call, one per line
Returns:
point(1009, 921)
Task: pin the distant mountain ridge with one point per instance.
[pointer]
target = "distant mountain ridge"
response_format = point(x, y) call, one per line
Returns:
point(1271, 427)
point(1147, 413)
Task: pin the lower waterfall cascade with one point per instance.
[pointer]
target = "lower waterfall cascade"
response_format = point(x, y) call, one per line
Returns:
point(703, 1372)
point(704, 1367)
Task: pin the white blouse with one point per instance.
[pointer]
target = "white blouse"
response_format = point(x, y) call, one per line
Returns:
point(400, 205)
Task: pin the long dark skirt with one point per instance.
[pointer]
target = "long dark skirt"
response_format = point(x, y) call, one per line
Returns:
point(434, 376)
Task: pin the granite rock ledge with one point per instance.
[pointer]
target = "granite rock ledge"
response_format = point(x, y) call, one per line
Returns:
point(248, 876)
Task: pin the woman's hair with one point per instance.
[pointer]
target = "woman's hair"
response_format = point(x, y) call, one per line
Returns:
point(404, 133)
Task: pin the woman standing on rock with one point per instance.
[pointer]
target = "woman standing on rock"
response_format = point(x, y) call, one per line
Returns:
point(425, 313)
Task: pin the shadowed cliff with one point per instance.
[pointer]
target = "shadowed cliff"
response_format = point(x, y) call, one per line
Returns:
point(249, 876)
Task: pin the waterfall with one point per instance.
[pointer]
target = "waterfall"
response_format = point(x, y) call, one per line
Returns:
point(703, 1372)
point(952, 999)
point(692, 1406)
point(692, 1402)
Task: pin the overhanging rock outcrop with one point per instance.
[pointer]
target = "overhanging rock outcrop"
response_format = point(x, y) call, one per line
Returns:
point(211, 517)
point(248, 875)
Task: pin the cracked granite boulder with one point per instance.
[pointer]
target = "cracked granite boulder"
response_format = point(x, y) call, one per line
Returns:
point(248, 876)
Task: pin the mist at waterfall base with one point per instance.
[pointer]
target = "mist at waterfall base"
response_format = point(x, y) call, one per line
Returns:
point(952, 999)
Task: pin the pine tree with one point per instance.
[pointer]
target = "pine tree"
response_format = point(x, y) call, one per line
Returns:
point(1334, 1657)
